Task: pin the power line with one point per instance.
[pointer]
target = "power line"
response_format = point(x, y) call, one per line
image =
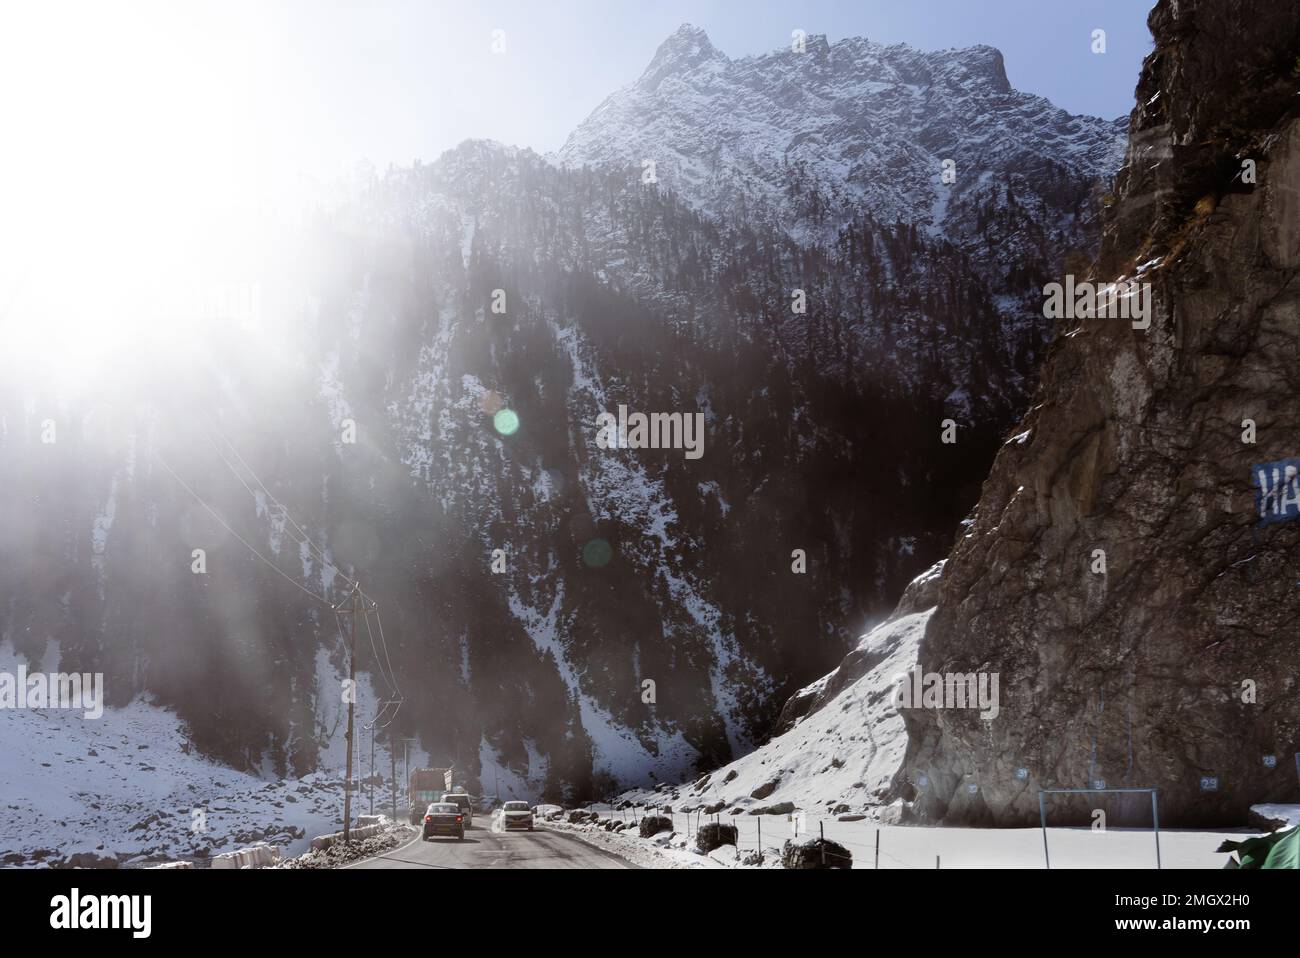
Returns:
point(370, 633)
point(312, 548)
point(389, 677)
point(379, 620)
point(226, 526)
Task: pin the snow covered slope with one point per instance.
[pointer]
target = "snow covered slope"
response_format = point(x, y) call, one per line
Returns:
point(131, 788)
point(842, 752)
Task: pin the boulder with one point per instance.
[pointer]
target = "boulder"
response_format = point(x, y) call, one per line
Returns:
point(780, 808)
point(653, 825)
point(714, 835)
point(815, 852)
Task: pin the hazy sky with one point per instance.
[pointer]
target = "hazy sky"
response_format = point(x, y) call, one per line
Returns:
point(315, 85)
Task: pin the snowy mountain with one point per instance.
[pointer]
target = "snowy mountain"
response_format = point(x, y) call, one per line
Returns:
point(803, 140)
point(429, 423)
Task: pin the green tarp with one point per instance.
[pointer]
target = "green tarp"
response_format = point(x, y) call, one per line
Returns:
point(1279, 850)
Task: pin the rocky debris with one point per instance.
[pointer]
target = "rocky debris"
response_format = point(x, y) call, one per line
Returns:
point(780, 808)
point(653, 825)
point(712, 835)
point(86, 860)
point(766, 789)
point(813, 852)
point(342, 853)
point(1171, 666)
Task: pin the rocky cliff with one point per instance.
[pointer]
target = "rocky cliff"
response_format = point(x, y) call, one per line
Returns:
point(1117, 575)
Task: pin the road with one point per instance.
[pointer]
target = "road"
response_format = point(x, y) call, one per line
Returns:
point(484, 848)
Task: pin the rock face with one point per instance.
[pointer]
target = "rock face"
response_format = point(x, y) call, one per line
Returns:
point(1176, 667)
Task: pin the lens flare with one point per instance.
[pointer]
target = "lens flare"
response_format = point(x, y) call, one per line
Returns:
point(597, 553)
point(506, 422)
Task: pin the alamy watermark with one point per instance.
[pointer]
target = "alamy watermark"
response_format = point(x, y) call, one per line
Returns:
point(656, 430)
point(948, 690)
point(1125, 299)
point(53, 690)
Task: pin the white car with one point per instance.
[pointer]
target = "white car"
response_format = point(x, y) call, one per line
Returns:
point(516, 815)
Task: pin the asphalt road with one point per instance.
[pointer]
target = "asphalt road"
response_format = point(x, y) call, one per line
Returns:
point(484, 848)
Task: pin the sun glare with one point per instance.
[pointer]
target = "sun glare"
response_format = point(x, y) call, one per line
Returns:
point(130, 211)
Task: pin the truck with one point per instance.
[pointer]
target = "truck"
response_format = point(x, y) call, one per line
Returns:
point(427, 785)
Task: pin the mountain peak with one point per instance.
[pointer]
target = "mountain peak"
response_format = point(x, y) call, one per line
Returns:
point(986, 62)
point(687, 47)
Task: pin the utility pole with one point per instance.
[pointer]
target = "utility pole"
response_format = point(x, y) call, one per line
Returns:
point(370, 784)
point(352, 695)
point(392, 768)
point(406, 757)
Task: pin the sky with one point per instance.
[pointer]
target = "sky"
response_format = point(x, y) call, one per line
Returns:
point(314, 86)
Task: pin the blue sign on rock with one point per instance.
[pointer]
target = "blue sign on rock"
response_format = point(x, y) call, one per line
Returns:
point(1277, 490)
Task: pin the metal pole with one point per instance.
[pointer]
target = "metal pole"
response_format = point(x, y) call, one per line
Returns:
point(1042, 818)
point(1155, 818)
point(821, 827)
point(392, 768)
point(370, 785)
point(352, 685)
point(877, 848)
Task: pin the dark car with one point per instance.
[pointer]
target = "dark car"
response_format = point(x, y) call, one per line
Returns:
point(443, 818)
point(464, 803)
point(516, 815)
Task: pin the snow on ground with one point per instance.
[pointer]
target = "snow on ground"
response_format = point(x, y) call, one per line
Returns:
point(130, 787)
point(916, 847)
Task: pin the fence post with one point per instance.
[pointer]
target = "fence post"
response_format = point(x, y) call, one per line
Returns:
point(936, 861)
point(877, 848)
point(821, 826)
point(760, 839)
